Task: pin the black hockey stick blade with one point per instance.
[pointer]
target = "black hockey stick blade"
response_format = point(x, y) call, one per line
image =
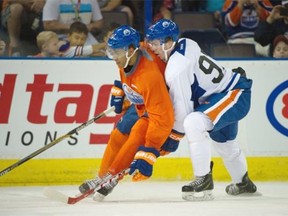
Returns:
point(57, 140)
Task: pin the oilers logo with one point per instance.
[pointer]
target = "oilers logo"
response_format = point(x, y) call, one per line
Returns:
point(132, 96)
point(277, 108)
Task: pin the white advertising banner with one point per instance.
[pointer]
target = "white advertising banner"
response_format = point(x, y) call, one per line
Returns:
point(41, 100)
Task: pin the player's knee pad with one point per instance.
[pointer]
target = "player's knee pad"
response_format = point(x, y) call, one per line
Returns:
point(196, 124)
point(227, 150)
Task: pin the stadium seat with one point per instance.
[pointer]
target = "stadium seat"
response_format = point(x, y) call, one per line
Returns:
point(233, 51)
point(115, 17)
point(205, 37)
point(193, 20)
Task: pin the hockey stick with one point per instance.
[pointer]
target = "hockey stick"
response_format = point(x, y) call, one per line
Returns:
point(59, 139)
point(58, 196)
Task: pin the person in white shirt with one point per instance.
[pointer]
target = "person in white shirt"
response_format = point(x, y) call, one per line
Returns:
point(58, 15)
point(209, 100)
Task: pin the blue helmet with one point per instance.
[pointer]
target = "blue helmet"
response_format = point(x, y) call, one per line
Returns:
point(163, 29)
point(123, 37)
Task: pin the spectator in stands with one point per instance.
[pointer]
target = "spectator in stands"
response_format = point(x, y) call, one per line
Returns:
point(116, 5)
point(48, 44)
point(2, 47)
point(76, 46)
point(21, 18)
point(241, 18)
point(280, 47)
point(58, 15)
point(162, 9)
point(275, 24)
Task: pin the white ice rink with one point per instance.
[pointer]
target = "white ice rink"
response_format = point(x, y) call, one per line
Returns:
point(146, 199)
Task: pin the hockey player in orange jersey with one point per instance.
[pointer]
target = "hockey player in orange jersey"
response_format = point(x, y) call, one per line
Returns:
point(142, 83)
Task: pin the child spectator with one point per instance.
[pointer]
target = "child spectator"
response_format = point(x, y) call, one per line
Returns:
point(75, 46)
point(280, 47)
point(48, 44)
point(275, 24)
point(58, 15)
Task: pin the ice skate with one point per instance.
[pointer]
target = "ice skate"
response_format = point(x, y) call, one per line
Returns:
point(90, 184)
point(93, 183)
point(246, 186)
point(106, 189)
point(199, 189)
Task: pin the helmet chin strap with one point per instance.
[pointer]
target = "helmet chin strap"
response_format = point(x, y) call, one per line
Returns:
point(129, 57)
point(167, 50)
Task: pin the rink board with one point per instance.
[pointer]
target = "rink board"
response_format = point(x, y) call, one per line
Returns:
point(44, 99)
point(74, 171)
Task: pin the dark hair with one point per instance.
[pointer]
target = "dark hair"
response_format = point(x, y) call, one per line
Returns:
point(78, 27)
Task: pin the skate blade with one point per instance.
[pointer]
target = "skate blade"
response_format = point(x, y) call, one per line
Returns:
point(98, 197)
point(198, 196)
point(257, 193)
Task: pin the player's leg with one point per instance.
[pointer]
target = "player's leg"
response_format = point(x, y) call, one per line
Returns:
point(117, 138)
point(207, 118)
point(224, 134)
point(125, 156)
point(234, 159)
point(196, 125)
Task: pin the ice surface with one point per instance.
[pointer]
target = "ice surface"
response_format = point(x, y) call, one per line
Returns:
point(146, 199)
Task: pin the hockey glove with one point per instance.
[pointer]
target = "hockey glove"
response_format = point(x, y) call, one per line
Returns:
point(239, 70)
point(172, 142)
point(117, 96)
point(142, 166)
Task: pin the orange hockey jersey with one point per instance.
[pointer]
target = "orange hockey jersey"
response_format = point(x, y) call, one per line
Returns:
point(144, 85)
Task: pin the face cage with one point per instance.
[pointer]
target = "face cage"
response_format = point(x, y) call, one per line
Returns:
point(116, 53)
point(151, 44)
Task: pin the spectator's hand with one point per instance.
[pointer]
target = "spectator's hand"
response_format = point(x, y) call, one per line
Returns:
point(275, 14)
point(241, 3)
point(37, 5)
point(254, 3)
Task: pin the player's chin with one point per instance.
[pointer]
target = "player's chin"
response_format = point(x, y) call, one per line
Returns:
point(119, 64)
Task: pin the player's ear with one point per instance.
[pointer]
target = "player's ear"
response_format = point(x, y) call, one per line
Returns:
point(169, 44)
point(131, 50)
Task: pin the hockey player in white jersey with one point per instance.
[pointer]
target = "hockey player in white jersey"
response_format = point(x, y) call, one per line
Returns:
point(208, 100)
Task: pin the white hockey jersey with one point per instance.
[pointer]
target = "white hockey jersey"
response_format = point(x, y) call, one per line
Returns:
point(192, 76)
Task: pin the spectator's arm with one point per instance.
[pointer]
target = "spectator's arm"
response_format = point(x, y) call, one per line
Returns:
point(232, 11)
point(264, 33)
point(112, 4)
point(95, 25)
point(262, 8)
